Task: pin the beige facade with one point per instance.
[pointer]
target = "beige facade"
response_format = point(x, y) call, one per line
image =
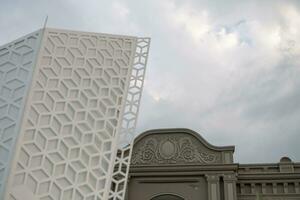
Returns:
point(178, 164)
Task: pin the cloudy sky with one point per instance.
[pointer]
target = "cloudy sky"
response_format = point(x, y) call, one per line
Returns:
point(227, 70)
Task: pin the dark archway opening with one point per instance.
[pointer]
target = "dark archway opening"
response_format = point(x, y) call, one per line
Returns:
point(167, 197)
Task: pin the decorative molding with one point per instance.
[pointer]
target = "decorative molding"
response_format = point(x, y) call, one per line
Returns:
point(230, 177)
point(178, 147)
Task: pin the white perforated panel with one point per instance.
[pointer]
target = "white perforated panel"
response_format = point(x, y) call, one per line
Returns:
point(17, 60)
point(127, 134)
point(66, 147)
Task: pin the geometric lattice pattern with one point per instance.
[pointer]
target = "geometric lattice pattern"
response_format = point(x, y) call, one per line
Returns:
point(66, 148)
point(129, 120)
point(17, 60)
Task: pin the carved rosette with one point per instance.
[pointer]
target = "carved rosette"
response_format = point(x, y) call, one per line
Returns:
point(179, 148)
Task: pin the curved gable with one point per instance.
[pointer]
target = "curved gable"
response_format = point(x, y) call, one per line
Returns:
point(177, 147)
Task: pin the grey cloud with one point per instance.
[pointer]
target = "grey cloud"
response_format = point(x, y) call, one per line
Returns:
point(246, 96)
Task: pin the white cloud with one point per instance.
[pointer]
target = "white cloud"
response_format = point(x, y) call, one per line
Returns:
point(229, 69)
point(120, 10)
point(195, 23)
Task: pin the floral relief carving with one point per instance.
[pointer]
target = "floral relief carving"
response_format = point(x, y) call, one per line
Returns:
point(179, 148)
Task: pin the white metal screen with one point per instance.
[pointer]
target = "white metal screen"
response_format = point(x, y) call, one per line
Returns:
point(73, 114)
point(127, 134)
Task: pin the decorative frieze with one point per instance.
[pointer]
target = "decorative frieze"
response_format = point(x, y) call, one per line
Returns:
point(177, 148)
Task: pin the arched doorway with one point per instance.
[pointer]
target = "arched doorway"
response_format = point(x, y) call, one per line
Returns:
point(167, 197)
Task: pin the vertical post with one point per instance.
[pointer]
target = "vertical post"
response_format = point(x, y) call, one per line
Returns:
point(230, 186)
point(263, 188)
point(297, 187)
point(213, 186)
point(45, 22)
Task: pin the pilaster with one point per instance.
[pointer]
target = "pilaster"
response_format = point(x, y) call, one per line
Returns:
point(230, 186)
point(213, 186)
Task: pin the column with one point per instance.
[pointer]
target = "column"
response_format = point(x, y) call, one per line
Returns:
point(230, 186)
point(213, 186)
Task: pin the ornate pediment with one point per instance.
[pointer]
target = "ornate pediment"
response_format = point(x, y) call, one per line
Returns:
point(177, 146)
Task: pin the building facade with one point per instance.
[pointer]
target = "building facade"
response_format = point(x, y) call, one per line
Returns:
point(68, 101)
point(178, 164)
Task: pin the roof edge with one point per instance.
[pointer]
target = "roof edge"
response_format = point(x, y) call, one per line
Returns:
point(185, 130)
